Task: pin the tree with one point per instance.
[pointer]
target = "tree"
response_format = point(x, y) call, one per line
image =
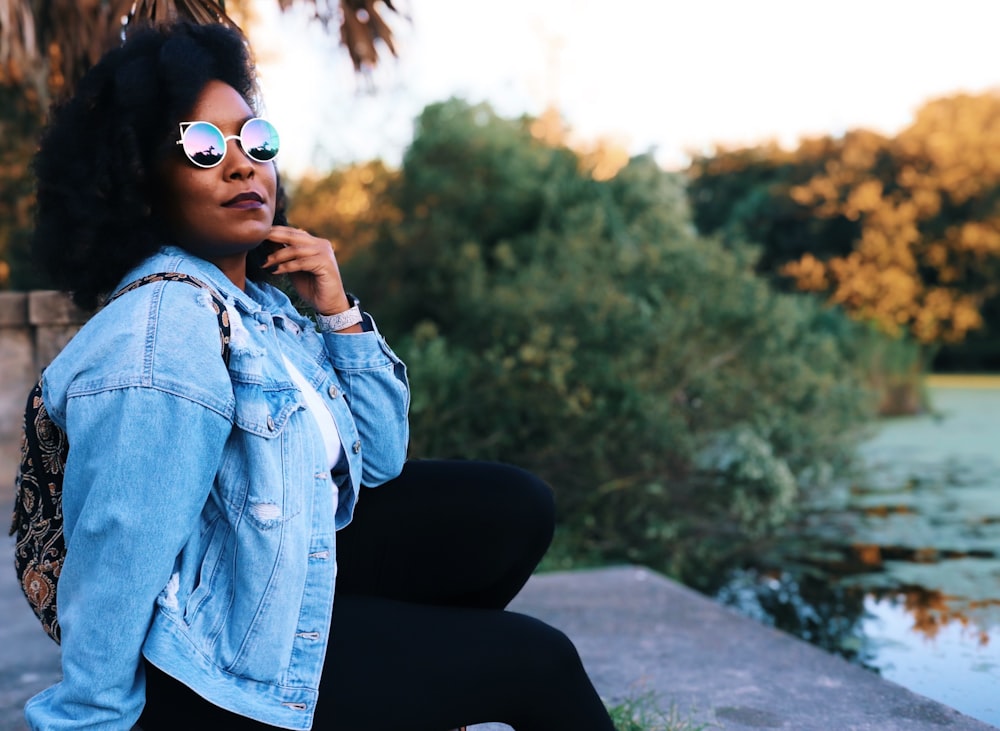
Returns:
point(579, 327)
point(901, 231)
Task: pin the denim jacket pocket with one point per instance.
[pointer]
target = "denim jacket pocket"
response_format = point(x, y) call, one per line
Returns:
point(263, 445)
point(264, 411)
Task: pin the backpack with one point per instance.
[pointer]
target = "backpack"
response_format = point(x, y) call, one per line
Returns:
point(38, 520)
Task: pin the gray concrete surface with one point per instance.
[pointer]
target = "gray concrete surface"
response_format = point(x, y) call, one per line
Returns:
point(639, 634)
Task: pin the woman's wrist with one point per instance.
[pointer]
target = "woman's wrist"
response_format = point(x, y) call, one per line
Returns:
point(341, 320)
point(341, 304)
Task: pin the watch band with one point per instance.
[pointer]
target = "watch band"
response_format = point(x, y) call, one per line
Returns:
point(339, 321)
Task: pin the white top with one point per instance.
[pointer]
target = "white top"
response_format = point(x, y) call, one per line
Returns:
point(317, 407)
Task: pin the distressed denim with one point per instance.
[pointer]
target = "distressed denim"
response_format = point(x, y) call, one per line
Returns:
point(198, 502)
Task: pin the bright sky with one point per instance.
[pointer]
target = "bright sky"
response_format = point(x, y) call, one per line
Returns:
point(651, 74)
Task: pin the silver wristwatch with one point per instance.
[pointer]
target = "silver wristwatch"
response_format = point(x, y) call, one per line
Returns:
point(341, 320)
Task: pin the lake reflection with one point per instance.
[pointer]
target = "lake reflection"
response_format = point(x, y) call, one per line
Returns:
point(900, 571)
point(937, 654)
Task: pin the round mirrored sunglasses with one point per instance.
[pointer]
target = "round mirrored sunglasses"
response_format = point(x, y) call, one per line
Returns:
point(205, 145)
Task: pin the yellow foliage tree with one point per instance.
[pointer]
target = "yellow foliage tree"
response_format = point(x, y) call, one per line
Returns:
point(928, 206)
point(349, 206)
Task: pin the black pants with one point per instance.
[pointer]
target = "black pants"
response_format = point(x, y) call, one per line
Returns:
point(420, 639)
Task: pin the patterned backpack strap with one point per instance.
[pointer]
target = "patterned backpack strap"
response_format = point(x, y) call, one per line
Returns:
point(218, 304)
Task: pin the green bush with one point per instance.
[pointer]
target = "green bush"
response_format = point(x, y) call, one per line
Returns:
point(580, 328)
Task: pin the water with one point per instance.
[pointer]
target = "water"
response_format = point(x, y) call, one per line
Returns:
point(900, 571)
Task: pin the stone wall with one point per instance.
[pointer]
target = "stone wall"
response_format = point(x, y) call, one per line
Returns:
point(34, 327)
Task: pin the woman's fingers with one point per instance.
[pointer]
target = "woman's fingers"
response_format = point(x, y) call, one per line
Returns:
point(297, 245)
point(312, 265)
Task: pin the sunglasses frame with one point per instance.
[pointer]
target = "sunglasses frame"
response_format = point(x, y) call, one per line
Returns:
point(185, 127)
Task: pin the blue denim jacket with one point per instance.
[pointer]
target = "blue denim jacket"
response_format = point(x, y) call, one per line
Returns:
point(198, 501)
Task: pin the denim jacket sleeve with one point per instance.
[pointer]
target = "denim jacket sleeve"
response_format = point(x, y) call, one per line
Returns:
point(378, 391)
point(126, 519)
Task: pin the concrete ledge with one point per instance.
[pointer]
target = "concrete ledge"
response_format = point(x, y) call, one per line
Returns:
point(13, 309)
point(637, 633)
point(34, 327)
point(51, 307)
point(56, 320)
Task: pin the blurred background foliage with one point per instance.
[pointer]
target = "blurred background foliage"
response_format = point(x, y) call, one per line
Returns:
point(582, 328)
point(682, 355)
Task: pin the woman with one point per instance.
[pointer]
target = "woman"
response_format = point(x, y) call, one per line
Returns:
point(221, 568)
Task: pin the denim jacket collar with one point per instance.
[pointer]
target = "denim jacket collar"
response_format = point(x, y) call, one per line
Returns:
point(254, 301)
point(173, 258)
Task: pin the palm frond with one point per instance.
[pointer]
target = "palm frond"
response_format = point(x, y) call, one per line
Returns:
point(165, 11)
point(362, 26)
point(48, 44)
point(18, 39)
point(17, 31)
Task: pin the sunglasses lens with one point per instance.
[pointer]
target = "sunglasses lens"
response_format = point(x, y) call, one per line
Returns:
point(259, 140)
point(204, 144)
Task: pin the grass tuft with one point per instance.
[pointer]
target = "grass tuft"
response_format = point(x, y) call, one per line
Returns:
point(644, 713)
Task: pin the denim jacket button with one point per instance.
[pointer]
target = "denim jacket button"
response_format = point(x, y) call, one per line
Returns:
point(333, 392)
point(270, 424)
point(357, 447)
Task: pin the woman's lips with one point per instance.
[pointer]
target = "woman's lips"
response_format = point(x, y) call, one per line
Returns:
point(245, 201)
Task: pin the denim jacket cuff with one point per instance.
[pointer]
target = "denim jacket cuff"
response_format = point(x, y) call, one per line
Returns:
point(358, 351)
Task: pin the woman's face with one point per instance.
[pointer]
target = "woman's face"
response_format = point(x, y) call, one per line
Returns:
point(225, 210)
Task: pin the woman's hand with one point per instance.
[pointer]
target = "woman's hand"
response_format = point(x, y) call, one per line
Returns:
point(311, 264)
